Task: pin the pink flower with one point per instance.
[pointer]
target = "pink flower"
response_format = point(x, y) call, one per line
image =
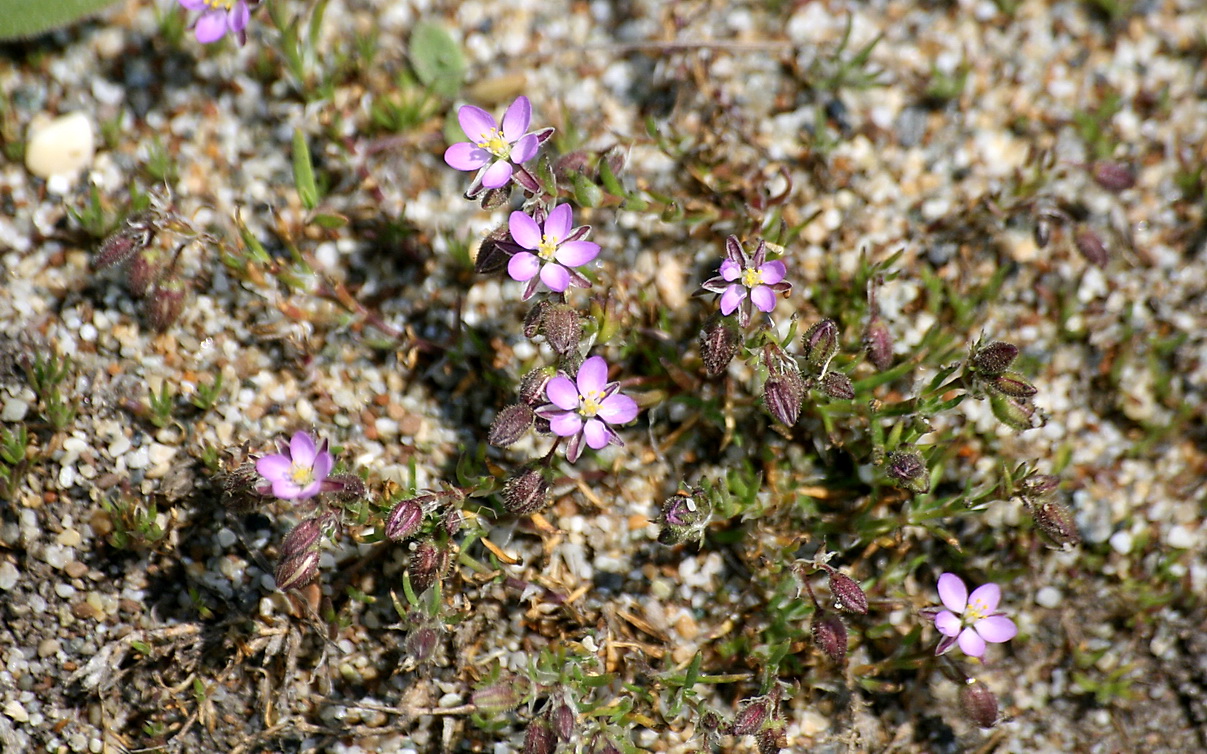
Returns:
point(299, 470)
point(585, 408)
point(493, 151)
point(746, 279)
point(970, 620)
point(218, 17)
point(558, 247)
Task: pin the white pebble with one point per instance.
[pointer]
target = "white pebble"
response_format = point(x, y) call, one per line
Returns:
point(61, 146)
point(1121, 542)
point(65, 591)
point(226, 538)
point(1049, 597)
point(14, 410)
point(14, 711)
point(1180, 538)
point(8, 575)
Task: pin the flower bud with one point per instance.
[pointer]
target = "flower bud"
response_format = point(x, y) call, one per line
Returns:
point(570, 164)
point(1091, 246)
point(719, 342)
point(144, 269)
point(1012, 384)
point(296, 571)
point(908, 469)
point(562, 327)
point(750, 718)
point(837, 385)
point(239, 489)
point(539, 739)
point(526, 491)
point(510, 425)
point(492, 253)
point(848, 595)
point(820, 343)
point(1056, 523)
point(121, 245)
point(495, 198)
point(348, 488)
point(532, 386)
point(562, 719)
point(878, 343)
point(421, 643)
point(532, 320)
point(405, 519)
point(428, 563)
point(452, 522)
point(830, 636)
point(1013, 412)
point(782, 394)
point(1037, 486)
point(165, 304)
point(771, 740)
point(978, 704)
point(993, 359)
point(304, 537)
point(684, 518)
point(617, 158)
point(1113, 176)
point(496, 699)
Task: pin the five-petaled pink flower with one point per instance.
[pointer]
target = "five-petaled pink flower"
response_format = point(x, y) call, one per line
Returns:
point(553, 250)
point(585, 408)
point(492, 150)
point(299, 470)
point(744, 279)
point(218, 17)
point(970, 620)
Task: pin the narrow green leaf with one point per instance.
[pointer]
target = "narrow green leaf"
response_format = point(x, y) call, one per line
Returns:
point(303, 171)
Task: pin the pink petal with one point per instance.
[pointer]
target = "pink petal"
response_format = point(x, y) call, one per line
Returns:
point(596, 433)
point(322, 466)
point(273, 467)
point(523, 266)
point(971, 643)
point(730, 299)
point(555, 277)
point(773, 272)
point(948, 623)
point(497, 175)
point(302, 449)
point(466, 156)
point(311, 489)
point(730, 270)
point(517, 118)
point(476, 122)
point(562, 393)
point(996, 629)
point(285, 489)
point(524, 231)
point(763, 298)
point(193, 4)
point(524, 149)
point(238, 17)
point(557, 225)
point(618, 409)
point(210, 27)
point(592, 375)
point(953, 593)
point(576, 253)
point(988, 595)
point(567, 424)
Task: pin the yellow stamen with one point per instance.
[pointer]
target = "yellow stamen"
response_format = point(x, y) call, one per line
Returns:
point(492, 141)
point(302, 476)
point(590, 403)
point(547, 248)
point(751, 277)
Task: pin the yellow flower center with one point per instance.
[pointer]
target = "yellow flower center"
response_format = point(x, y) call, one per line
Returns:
point(492, 141)
point(589, 405)
point(547, 248)
point(220, 4)
point(975, 611)
point(302, 476)
point(751, 277)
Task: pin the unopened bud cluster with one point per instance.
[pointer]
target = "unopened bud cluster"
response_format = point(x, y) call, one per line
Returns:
point(1009, 392)
point(1053, 518)
point(684, 517)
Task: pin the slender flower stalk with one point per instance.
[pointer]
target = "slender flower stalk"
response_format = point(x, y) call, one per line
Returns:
point(586, 408)
point(971, 620)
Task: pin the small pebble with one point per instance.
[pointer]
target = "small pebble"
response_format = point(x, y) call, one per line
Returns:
point(1121, 542)
point(14, 410)
point(59, 146)
point(8, 575)
point(48, 648)
point(1179, 537)
point(1049, 597)
point(16, 712)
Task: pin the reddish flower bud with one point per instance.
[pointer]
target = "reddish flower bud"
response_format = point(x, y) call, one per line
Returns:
point(452, 521)
point(510, 425)
point(562, 327)
point(1037, 486)
point(493, 253)
point(1056, 522)
point(532, 386)
point(304, 537)
point(348, 488)
point(820, 343)
point(837, 385)
point(617, 158)
point(772, 740)
point(878, 343)
point(532, 320)
point(978, 704)
point(405, 519)
point(296, 571)
point(908, 469)
point(239, 489)
point(994, 358)
point(1012, 384)
point(526, 491)
point(539, 739)
point(144, 269)
point(420, 643)
point(165, 304)
point(830, 636)
point(782, 395)
point(1113, 176)
point(427, 565)
point(563, 720)
point(120, 246)
point(1091, 246)
point(719, 342)
point(684, 517)
point(848, 595)
point(750, 718)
